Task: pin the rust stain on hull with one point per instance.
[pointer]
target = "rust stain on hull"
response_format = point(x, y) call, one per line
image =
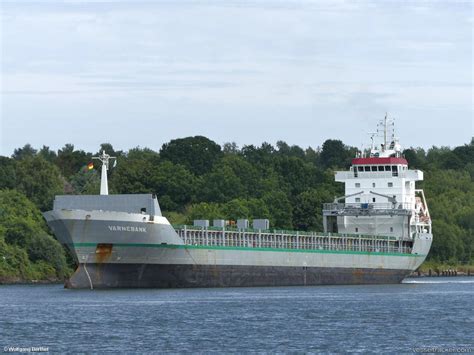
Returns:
point(103, 253)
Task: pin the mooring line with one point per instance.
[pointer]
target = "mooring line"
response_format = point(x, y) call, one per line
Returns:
point(87, 273)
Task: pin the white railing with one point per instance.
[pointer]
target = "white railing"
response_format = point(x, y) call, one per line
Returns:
point(408, 174)
point(367, 206)
point(293, 241)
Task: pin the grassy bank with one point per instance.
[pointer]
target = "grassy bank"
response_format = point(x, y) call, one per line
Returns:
point(438, 267)
point(28, 253)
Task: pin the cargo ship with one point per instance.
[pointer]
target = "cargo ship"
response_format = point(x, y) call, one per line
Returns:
point(377, 233)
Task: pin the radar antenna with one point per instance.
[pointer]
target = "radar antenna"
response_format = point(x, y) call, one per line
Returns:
point(104, 158)
point(388, 127)
point(372, 135)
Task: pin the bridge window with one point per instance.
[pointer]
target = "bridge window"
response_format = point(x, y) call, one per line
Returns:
point(387, 167)
point(360, 168)
point(381, 168)
point(374, 168)
point(366, 168)
point(390, 184)
point(373, 199)
point(394, 170)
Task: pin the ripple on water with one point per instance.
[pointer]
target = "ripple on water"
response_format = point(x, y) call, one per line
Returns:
point(382, 318)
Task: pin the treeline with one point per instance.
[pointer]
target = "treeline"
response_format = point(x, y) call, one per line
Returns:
point(196, 178)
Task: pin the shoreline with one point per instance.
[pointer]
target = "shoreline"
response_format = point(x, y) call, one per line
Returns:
point(413, 275)
point(30, 282)
point(444, 273)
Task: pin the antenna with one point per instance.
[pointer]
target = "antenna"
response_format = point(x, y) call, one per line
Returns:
point(385, 134)
point(372, 135)
point(104, 158)
point(388, 124)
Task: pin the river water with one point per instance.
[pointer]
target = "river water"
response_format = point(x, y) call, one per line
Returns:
point(419, 314)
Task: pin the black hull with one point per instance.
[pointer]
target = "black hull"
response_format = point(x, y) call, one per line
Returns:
point(185, 276)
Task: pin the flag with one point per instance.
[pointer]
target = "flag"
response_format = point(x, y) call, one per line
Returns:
point(90, 166)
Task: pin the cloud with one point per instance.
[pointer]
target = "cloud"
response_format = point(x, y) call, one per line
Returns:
point(356, 59)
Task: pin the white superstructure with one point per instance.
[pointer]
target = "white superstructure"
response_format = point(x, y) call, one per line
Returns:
point(380, 196)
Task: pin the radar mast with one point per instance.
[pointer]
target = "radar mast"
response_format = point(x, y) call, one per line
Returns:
point(104, 158)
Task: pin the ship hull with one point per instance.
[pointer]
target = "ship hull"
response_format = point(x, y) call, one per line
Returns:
point(189, 276)
point(115, 250)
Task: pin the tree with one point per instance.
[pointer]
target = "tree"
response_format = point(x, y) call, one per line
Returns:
point(145, 154)
point(26, 152)
point(7, 173)
point(204, 210)
point(236, 209)
point(248, 175)
point(416, 157)
point(447, 244)
point(269, 183)
point(220, 185)
point(464, 154)
point(43, 247)
point(174, 185)
point(230, 148)
point(293, 151)
point(283, 148)
point(437, 156)
point(261, 156)
point(297, 174)
point(132, 176)
point(198, 154)
point(39, 180)
point(70, 161)
point(25, 247)
point(257, 209)
point(280, 209)
point(311, 156)
point(86, 181)
point(335, 154)
point(308, 211)
point(47, 154)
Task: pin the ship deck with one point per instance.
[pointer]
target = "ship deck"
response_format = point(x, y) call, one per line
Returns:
point(290, 240)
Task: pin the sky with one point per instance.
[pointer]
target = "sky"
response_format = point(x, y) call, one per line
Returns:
point(140, 73)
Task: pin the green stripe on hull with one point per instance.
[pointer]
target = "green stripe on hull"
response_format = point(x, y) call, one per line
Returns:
point(212, 247)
